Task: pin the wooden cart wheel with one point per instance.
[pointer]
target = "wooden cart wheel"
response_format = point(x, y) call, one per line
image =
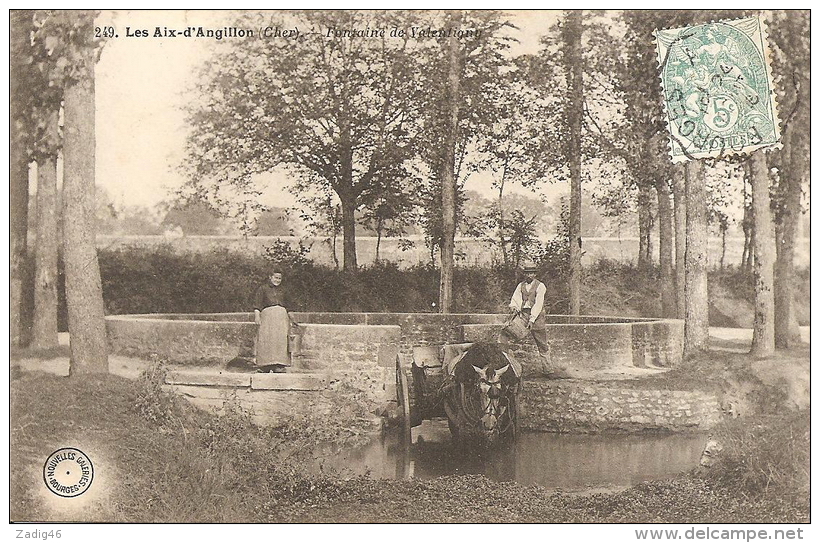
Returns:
point(403, 397)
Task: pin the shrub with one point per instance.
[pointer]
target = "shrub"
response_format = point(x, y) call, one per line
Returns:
point(158, 280)
point(767, 453)
point(152, 402)
point(553, 256)
point(281, 252)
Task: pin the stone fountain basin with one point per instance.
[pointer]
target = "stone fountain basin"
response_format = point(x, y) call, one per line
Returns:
point(344, 352)
point(584, 343)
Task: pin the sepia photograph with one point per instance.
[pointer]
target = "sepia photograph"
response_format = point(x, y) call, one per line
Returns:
point(459, 266)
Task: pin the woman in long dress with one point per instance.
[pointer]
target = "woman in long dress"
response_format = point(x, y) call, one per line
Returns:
point(270, 308)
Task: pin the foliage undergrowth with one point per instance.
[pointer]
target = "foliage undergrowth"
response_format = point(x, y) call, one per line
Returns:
point(166, 461)
point(766, 454)
point(152, 402)
point(160, 280)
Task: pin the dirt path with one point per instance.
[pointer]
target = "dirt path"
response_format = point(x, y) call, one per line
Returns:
point(740, 339)
point(790, 369)
point(123, 366)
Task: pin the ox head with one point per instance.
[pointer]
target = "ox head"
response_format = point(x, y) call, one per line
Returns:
point(491, 379)
point(492, 389)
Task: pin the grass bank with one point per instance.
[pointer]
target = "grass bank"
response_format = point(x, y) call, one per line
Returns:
point(158, 460)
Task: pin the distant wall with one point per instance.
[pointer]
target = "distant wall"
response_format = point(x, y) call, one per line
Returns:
point(474, 252)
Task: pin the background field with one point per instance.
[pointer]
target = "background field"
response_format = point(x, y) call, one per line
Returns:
point(470, 251)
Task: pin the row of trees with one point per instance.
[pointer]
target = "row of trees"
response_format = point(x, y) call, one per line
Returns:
point(771, 173)
point(381, 124)
point(391, 127)
point(364, 122)
point(53, 55)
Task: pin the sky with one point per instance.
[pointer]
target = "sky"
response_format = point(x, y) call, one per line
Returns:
point(140, 92)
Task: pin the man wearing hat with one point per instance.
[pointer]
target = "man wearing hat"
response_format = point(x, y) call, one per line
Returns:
point(528, 302)
point(270, 308)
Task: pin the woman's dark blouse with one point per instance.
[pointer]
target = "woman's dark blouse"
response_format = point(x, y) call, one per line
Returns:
point(268, 295)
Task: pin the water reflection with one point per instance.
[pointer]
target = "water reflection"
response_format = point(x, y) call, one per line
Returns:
point(550, 460)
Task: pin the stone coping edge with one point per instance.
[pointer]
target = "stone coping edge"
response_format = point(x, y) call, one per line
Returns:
point(193, 318)
point(254, 381)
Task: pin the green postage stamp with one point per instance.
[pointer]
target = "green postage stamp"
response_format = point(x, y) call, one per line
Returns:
point(717, 89)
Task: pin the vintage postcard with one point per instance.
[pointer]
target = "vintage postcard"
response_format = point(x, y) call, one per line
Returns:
point(410, 266)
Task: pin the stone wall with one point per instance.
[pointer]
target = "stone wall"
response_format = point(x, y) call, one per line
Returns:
point(585, 342)
point(275, 398)
point(360, 349)
point(575, 406)
point(417, 329)
point(420, 329)
point(215, 339)
point(191, 342)
point(361, 356)
point(583, 346)
point(551, 406)
point(657, 343)
point(597, 345)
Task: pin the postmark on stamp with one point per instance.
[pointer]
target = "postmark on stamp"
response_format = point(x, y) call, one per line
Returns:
point(717, 89)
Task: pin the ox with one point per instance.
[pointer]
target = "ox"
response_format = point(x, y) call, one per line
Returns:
point(480, 396)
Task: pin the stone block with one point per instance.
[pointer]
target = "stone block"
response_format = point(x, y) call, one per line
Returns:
point(333, 334)
point(203, 378)
point(207, 404)
point(288, 381)
point(208, 392)
point(390, 390)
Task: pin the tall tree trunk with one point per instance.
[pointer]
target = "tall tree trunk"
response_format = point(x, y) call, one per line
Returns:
point(723, 229)
point(19, 45)
point(696, 335)
point(786, 329)
point(86, 313)
point(750, 258)
point(333, 249)
point(665, 250)
point(349, 234)
point(44, 329)
point(347, 197)
point(679, 188)
point(448, 179)
point(573, 31)
point(764, 248)
point(644, 227)
point(501, 239)
point(378, 243)
point(749, 234)
point(748, 221)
